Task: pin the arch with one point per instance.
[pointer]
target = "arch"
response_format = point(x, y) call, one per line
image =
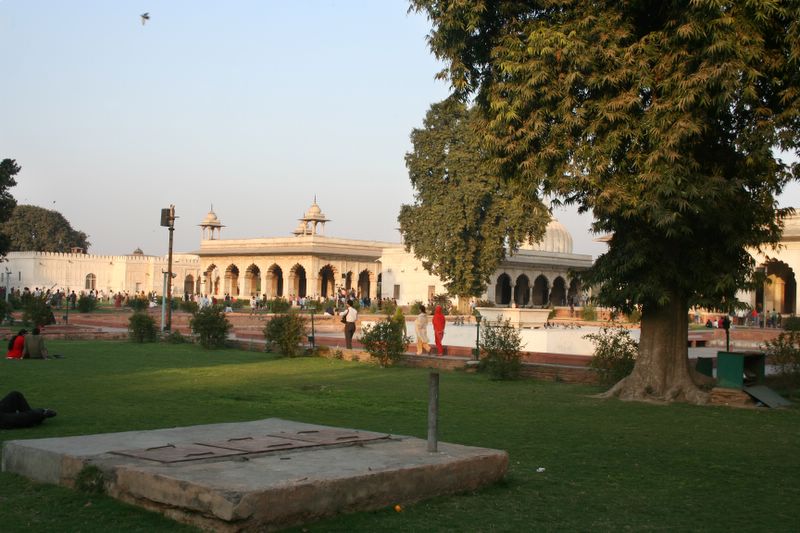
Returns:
point(363, 283)
point(541, 291)
point(188, 284)
point(779, 292)
point(297, 281)
point(252, 281)
point(573, 295)
point(232, 280)
point(502, 290)
point(522, 291)
point(348, 280)
point(91, 282)
point(558, 295)
point(274, 281)
point(327, 281)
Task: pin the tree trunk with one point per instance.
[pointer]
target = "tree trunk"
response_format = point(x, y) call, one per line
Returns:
point(662, 371)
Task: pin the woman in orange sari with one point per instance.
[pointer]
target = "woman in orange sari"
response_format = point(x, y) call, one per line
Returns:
point(438, 328)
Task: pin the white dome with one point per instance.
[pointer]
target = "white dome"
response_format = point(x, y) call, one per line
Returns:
point(556, 239)
point(211, 219)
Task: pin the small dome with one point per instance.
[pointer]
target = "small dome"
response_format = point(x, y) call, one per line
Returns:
point(211, 219)
point(301, 229)
point(556, 239)
point(315, 213)
point(138, 251)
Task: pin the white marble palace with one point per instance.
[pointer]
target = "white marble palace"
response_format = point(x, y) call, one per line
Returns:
point(310, 263)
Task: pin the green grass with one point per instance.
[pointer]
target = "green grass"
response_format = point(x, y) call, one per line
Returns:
point(610, 465)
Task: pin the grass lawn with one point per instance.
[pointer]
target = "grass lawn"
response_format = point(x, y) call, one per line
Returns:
point(610, 465)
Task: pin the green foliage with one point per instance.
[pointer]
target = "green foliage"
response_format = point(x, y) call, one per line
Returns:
point(211, 326)
point(36, 311)
point(614, 353)
point(415, 307)
point(791, 323)
point(175, 337)
point(5, 310)
point(784, 352)
point(484, 303)
point(86, 303)
point(385, 341)
point(444, 301)
point(635, 316)
point(138, 303)
point(589, 312)
point(8, 169)
point(388, 307)
point(189, 307)
point(500, 346)
point(463, 213)
point(142, 327)
point(278, 305)
point(42, 230)
point(287, 332)
point(662, 120)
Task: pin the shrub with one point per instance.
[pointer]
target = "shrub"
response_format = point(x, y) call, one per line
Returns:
point(211, 326)
point(189, 307)
point(784, 352)
point(589, 312)
point(389, 307)
point(484, 303)
point(286, 332)
point(37, 311)
point(278, 305)
point(138, 304)
point(635, 316)
point(614, 353)
point(444, 301)
point(791, 323)
point(175, 337)
point(500, 345)
point(385, 341)
point(142, 327)
point(414, 310)
point(86, 303)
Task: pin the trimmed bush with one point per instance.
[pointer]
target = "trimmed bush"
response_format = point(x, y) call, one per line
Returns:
point(175, 337)
point(791, 323)
point(500, 345)
point(138, 304)
point(286, 332)
point(211, 326)
point(278, 305)
point(385, 341)
point(86, 303)
point(589, 312)
point(614, 353)
point(142, 327)
point(414, 310)
point(784, 352)
point(189, 307)
point(37, 312)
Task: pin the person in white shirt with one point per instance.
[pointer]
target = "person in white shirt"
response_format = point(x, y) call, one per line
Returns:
point(349, 317)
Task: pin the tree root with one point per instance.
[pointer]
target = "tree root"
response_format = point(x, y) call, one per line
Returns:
point(629, 389)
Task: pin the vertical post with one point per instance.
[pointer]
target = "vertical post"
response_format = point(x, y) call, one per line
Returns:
point(477, 351)
point(313, 338)
point(163, 301)
point(168, 326)
point(433, 412)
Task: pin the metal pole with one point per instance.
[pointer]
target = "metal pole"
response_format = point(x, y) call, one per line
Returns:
point(313, 338)
point(477, 352)
point(433, 412)
point(168, 326)
point(164, 302)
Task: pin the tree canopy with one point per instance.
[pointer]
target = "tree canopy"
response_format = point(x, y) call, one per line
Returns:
point(658, 117)
point(8, 169)
point(32, 228)
point(465, 217)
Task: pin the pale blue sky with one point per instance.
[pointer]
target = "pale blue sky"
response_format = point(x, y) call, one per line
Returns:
point(255, 106)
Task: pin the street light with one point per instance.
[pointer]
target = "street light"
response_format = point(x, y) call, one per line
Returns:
point(168, 221)
point(477, 351)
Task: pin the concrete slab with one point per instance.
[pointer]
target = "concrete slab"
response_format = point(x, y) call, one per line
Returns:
point(280, 473)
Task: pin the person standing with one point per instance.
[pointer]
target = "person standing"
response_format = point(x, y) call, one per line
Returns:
point(349, 317)
point(438, 328)
point(421, 331)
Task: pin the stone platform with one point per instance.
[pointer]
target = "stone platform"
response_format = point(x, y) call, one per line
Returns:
point(257, 476)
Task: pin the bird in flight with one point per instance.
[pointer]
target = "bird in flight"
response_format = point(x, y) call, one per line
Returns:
point(145, 17)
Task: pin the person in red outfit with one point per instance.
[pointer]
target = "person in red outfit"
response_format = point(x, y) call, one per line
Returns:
point(438, 328)
point(16, 345)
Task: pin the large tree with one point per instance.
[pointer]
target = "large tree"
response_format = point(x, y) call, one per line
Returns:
point(8, 169)
point(465, 216)
point(658, 117)
point(33, 228)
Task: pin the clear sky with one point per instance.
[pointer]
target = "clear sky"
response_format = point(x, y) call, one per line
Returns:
point(254, 106)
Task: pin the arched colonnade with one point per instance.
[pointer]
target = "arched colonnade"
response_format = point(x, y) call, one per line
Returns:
point(526, 289)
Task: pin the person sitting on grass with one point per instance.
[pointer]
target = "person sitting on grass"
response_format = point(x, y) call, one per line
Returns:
point(16, 345)
point(34, 346)
point(15, 412)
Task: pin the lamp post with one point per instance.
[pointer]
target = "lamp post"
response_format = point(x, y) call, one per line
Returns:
point(477, 351)
point(168, 221)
